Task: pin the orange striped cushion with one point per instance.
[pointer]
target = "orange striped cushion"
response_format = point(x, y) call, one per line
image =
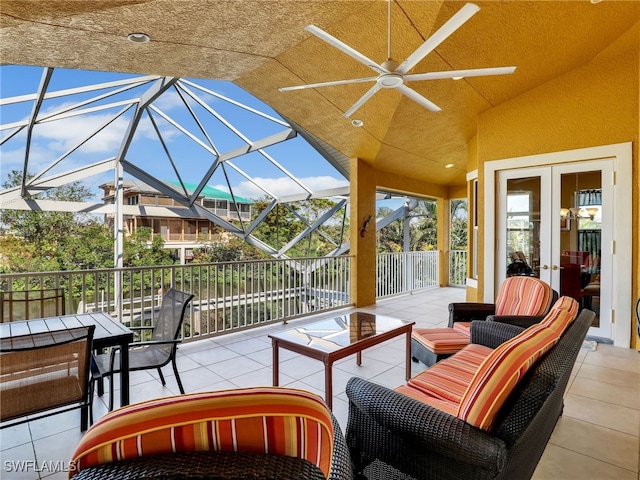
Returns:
point(449, 378)
point(500, 372)
point(446, 406)
point(561, 317)
point(566, 303)
point(463, 327)
point(280, 421)
point(440, 340)
point(523, 296)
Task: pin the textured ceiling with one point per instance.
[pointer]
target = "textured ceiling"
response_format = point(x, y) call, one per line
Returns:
point(262, 45)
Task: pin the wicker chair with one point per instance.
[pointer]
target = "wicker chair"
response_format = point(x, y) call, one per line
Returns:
point(156, 352)
point(250, 433)
point(521, 301)
point(44, 374)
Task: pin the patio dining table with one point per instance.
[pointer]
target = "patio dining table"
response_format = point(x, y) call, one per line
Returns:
point(108, 333)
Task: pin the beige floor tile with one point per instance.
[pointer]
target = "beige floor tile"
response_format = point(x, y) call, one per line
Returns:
point(606, 357)
point(601, 443)
point(611, 376)
point(614, 394)
point(601, 413)
point(558, 463)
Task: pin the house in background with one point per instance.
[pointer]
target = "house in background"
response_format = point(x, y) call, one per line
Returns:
point(180, 233)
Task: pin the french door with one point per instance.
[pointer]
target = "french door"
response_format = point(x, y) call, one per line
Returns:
point(556, 223)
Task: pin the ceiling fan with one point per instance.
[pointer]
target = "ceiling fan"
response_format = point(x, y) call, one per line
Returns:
point(392, 74)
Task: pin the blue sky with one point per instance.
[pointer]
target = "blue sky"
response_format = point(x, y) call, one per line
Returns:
point(53, 139)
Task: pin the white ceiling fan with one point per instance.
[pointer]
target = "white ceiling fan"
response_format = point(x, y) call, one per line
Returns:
point(392, 74)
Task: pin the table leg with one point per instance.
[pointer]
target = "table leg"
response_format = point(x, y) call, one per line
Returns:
point(124, 374)
point(328, 384)
point(84, 418)
point(359, 358)
point(276, 365)
point(408, 348)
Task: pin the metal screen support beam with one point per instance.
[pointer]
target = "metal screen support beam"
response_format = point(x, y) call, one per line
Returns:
point(44, 83)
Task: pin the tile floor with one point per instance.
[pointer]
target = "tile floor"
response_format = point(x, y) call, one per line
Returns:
point(596, 438)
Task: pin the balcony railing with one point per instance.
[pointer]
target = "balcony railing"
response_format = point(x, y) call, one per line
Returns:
point(234, 295)
point(458, 267)
point(228, 296)
point(404, 272)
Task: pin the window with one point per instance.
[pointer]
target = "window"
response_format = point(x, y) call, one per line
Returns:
point(519, 224)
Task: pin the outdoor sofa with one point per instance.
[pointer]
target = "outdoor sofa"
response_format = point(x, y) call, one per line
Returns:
point(432, 428)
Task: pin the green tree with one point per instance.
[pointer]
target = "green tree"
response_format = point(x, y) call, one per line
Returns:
point(45, 230)
point(459, 223)
point(141, 250)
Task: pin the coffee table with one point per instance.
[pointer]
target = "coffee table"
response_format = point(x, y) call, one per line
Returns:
point(335, 338)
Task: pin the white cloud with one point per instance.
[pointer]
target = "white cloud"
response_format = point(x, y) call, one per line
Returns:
point(282, 186)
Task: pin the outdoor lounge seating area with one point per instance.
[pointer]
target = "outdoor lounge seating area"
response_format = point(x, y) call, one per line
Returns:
point(601, 403)
point(508, 382)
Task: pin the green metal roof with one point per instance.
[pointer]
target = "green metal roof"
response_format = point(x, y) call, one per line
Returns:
point(211, 193)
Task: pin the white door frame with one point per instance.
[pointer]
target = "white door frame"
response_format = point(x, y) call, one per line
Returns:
point(622, 155)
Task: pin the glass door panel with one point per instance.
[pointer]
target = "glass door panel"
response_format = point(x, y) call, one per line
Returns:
point(525, 239)
point(553, 223)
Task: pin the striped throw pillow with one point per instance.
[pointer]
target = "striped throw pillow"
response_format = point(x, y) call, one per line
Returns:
point(500, 373)
point(271, 420)
point(523, 296)
point(563, 312)
point(566, 303)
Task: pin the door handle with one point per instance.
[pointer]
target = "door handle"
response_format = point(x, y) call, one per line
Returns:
point(545, 267)
point(555, 267)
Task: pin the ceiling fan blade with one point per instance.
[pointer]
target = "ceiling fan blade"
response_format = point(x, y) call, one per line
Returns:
point(474, 72)
point(416, 97)
point(343, 47)
point(361, 101)
point(328, 84)
point(455, 22)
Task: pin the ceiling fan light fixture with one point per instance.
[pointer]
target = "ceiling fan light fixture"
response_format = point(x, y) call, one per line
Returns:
point(390, 80)
point(138, 37)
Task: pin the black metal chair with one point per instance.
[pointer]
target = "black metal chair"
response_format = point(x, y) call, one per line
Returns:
point(156, 352)
point(44, 374)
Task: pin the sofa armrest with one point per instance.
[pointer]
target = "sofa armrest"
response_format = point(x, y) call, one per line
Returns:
point(492, 334)
point(467, 311)
point(415, 438)
point(519, 320)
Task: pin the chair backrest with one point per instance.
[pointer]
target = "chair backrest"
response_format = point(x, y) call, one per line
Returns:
point(171, 315)
point(523, 296)
point(43, 371)
point(260, 420)
point(570, 281)
point(15, 305)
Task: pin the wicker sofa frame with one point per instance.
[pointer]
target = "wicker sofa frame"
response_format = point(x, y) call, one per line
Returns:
point(392, 436)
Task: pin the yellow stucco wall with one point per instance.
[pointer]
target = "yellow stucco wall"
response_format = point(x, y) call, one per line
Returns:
point(596, 104)
point(363, 245)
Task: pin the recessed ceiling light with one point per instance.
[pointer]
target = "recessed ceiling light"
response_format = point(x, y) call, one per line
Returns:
point(448, 165)
point(595, 1)
point(457, 78)
point(357, 123)
point(138, 37)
